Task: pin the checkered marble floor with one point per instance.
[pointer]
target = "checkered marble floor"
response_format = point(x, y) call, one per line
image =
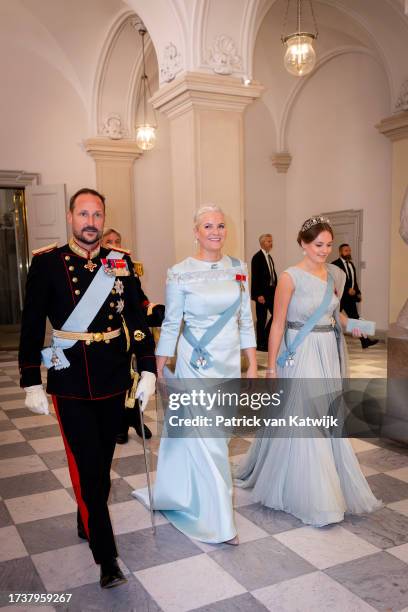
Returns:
point(280, 564)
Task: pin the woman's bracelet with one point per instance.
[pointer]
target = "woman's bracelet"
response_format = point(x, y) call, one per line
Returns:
point(270, 371)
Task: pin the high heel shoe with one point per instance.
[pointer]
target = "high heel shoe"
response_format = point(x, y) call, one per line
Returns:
point(233, 541)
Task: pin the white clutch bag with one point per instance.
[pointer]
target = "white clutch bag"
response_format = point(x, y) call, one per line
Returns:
point(367, 327)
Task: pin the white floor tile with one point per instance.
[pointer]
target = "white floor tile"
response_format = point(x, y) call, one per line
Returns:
point(132, 515)
point(12, 390)
point(11, 545)
point(368, 471)
point(40, 505)
point(247, 532)
point(130, 448)
point(47, 445)
point(400, 506)
point(34, 421)
point(21, 465)
point(399, 551)
point(312, 592)
point(188, 583)
point(400, 473)
point(66, 568)
point(361, 445)
point(12, 404)
point(11, 436)
point(138, 481)
point(326, 547)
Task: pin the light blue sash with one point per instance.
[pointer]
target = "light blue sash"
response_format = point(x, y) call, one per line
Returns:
point(286, 358)
point(81, 317)
point(200, 357)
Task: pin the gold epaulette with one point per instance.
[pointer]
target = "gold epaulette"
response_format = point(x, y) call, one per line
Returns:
point(121, 250)
point(138, 267)
point(45, 249)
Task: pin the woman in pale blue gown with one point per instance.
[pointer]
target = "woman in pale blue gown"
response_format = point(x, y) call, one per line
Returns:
point(193, 485)
point(317, 479)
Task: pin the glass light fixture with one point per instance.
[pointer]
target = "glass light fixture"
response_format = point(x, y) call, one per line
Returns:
point(146, 131)
point(300, 56)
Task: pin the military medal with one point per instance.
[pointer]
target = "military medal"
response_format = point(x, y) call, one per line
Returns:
point(241, 278)
point(115, 267)
point(120, 304)
point(118, 286)
point(90, 266)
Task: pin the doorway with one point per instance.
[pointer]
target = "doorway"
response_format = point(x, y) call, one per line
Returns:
point(348, 228)
point(13, 258)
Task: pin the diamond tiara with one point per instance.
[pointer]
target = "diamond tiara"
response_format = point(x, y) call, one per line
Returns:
point(313, 221)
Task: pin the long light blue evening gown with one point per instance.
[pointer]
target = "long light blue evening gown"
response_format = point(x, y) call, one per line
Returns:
point(193, 485)
point(315, 479)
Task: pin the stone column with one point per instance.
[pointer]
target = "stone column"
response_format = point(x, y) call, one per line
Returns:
point(206, 131)
point(396, 129)
point(114, 161)
point(395, 423)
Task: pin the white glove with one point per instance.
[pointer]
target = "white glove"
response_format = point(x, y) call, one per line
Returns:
point(36, 399)
point(145, 388)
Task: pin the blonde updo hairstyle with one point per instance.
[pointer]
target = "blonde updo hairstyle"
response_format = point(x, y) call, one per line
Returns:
point(206, 208)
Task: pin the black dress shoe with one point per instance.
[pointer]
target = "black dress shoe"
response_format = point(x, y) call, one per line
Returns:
point(366, 342)
point(147, 432)
point(134, 421)
point(111, 574)
point(122, 437)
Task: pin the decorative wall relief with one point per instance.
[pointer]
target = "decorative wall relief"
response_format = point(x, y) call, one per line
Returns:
point(402, 319)
point(171, 63)
point(402, 100)
point(112, 127)
point(223, 57)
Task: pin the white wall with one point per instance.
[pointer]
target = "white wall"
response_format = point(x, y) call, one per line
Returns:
point(43, 121)
point(154, 214)
point(264, 188)
point(339, 160)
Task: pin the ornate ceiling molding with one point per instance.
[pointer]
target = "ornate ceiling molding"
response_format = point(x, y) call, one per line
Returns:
point(171, 63)
point(112, 150)
point(402, 100)
point(203, 90)
point(223, 56)
point(18, 178)
point(281, 161)
point(394, 127)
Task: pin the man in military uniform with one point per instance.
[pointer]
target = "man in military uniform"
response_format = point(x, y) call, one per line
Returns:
point(154, 316)
point(89, 294)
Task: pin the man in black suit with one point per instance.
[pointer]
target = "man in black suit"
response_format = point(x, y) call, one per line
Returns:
point(90, 295)
point(351, 294)
point(263, 285)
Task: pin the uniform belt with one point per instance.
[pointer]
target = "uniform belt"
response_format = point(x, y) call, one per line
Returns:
point(316, 328)
point(88, 337)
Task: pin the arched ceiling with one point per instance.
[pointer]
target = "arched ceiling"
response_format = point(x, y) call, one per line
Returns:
point(186, 34)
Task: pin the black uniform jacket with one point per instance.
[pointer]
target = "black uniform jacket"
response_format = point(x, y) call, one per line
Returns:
point(56, 282)
point(261, 278)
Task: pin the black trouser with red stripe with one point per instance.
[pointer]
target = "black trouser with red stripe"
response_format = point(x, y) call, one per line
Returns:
point(89, 431)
